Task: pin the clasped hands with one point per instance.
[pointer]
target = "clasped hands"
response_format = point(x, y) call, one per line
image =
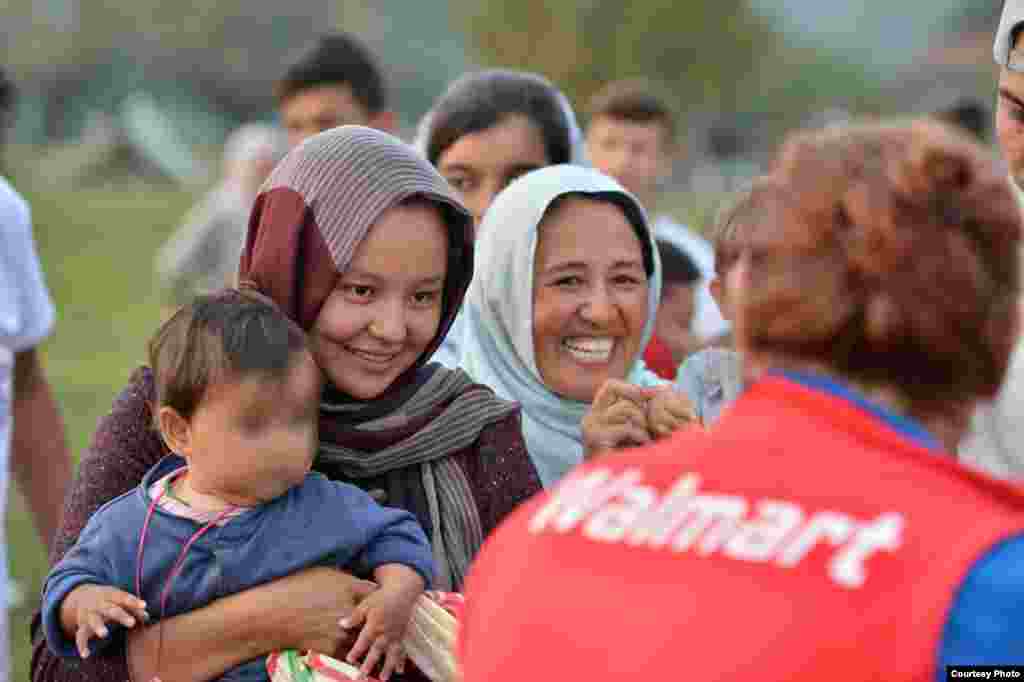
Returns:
point(625, 415)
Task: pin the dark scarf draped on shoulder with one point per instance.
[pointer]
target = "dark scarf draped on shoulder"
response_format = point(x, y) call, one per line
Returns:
point(443, 414)
point(316, 207)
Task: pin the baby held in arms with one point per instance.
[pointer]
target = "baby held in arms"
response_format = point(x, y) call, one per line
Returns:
point(236, 505)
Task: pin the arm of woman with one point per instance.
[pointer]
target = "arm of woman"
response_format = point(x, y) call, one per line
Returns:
point(500, 471)
point(301, 611)
point(123, 448)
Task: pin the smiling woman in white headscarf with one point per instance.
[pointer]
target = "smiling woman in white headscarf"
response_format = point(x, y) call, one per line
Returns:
point(566, 287)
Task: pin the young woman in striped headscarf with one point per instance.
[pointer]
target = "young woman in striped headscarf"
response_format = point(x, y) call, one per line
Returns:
point(361, 242)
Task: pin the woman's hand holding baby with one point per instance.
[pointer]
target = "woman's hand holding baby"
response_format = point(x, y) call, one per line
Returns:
point(87, 609)
point(384, 617)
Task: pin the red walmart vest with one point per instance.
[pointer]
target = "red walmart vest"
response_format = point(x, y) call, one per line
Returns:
point(802, 539)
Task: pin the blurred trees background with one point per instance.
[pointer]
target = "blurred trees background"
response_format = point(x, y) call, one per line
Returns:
point(719, 54)
point(227, 53)
point(715, 56)
point(211, 63)
point(704, 50)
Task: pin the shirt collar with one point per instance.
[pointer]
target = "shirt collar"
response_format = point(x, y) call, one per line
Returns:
point(907, 427)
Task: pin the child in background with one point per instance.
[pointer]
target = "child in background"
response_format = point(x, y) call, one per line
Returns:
point(236, 505)
point(632, 137)
point(673, 339)
point(713, 378)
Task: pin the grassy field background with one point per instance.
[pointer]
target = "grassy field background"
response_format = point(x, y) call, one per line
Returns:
point(97, 249)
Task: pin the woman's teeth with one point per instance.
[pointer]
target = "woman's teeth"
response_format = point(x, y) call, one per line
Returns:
point(589, 349)
point(378, 358)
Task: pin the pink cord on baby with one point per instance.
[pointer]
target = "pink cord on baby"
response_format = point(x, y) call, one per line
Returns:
point(175, 570)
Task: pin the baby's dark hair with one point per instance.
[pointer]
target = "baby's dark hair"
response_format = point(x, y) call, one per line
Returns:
point(219, 337)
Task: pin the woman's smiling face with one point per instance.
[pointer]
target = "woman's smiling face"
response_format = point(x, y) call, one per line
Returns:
point(387, 306)
point(590, 300)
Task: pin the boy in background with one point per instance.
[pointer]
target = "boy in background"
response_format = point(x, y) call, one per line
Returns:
point(33, 447)
point(632, 137)
point(335, 82)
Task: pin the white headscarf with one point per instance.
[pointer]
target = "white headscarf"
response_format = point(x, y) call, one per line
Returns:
point(578, 153)
point(497, 346)
point(1013, 15)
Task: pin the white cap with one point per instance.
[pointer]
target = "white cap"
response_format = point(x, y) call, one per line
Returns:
point(1002, 49)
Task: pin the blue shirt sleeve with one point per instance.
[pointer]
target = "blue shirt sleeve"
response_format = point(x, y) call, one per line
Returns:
point(986, 623)
point(689, 380)
point(88, 562)
point(389, 536)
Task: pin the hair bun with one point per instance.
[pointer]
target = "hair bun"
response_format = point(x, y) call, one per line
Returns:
point(897, 260)
point(936, 162)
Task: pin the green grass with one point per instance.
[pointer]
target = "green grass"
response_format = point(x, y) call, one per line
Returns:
point(97, 250)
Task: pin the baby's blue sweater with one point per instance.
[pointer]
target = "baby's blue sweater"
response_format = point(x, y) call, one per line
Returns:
point(320, 522)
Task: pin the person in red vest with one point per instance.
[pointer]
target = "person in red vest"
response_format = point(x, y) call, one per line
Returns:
point(820, 532)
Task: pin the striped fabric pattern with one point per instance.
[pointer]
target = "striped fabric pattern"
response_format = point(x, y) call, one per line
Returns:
point(325, 196)
point(349, 176)
point(457, 531)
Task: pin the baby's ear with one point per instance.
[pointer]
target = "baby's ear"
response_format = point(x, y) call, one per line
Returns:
point(176, 431)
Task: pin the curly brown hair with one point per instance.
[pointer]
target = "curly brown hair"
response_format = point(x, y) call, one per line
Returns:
point(890, 254)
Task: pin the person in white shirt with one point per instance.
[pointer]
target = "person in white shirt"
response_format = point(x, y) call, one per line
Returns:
point(631, 136)
point(32, 443)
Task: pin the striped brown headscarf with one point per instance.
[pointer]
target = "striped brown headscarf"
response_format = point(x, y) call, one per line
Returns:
point(320, 202)
point(316, 207)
